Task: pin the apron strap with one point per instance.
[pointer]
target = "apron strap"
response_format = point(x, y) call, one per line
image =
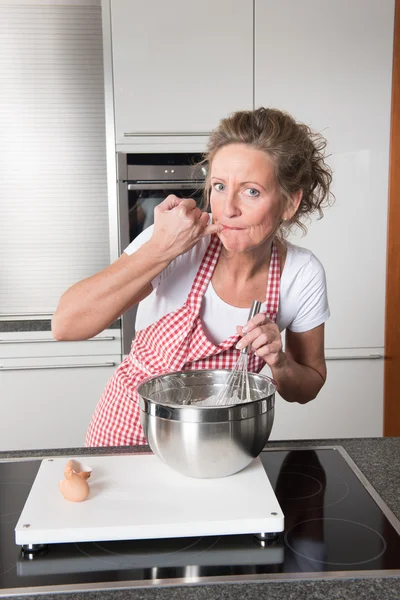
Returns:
point(204, 274)
point(273, 285)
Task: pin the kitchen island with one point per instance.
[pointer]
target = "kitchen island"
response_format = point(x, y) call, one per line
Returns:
point(379, 461)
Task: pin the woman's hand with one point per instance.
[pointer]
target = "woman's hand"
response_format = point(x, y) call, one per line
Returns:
point(263, 338)
point(300, 371)
point(178, 225)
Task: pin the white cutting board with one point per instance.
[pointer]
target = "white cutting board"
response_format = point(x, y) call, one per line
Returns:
point(139, 497)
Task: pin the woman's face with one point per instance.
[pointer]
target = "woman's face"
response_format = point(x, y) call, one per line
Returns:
point(245, 197)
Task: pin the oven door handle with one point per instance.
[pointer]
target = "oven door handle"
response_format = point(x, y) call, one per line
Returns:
point(166, 134)
point(166, 185)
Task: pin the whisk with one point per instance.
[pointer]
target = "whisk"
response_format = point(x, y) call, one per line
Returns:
point(237, 387)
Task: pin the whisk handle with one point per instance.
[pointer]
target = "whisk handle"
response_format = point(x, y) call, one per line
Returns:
point(254, 310)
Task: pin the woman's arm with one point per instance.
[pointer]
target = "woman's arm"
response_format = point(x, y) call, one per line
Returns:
point(91, 305)
point(301, 373)
point(300, 370)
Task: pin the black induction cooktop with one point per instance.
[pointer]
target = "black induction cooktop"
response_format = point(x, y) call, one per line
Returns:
point(335, 526)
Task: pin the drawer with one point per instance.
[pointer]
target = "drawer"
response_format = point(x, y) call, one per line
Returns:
point(48, 402)
point(31, 344)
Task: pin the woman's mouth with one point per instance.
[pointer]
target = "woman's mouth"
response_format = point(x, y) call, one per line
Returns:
point(225, 227)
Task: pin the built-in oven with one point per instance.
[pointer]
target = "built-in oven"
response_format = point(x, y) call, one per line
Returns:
point(145, 180)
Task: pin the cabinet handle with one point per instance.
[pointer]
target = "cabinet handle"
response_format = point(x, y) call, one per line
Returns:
point(52, 340)
point(356, 357)
point(167, 133)
point(72, 366)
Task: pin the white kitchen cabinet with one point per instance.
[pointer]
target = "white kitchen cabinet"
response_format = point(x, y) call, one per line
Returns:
point(329, 64)
point(177, 66)
point(349, 405)
point(48, 402)
point(49, 389)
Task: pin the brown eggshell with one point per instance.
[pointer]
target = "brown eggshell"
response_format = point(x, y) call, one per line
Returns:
point(76, 467)
point(74, 488)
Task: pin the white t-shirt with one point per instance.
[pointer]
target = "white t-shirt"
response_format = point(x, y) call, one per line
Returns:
point(303, 302)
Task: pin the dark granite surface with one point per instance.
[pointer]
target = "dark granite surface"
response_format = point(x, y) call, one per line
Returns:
point(37, 325)
point(379, 461)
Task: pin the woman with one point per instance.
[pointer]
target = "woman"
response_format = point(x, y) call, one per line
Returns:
point(195, 277)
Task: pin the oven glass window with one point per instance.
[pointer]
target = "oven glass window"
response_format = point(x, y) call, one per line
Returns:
point(143, 202)
point(150, 178)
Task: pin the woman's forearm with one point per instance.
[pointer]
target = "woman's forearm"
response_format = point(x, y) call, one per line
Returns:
point(91, 305)
point(296, 382)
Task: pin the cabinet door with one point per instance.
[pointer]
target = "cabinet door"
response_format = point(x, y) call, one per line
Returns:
point(54, 223)
point(48, 402)
point(180, 66)
point(329, 64)
point(349, 405)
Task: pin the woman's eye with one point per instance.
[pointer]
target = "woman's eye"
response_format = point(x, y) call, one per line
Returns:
point(219, 187)
point(252, 192)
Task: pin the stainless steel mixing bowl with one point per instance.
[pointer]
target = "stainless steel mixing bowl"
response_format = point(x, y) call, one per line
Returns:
point(205, 441)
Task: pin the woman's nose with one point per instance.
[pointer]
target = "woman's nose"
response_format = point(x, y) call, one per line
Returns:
point(231, 205)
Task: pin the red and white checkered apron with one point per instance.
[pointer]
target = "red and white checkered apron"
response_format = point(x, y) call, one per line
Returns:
point(174, 343)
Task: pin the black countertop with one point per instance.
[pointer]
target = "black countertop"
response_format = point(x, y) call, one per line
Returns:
point(37, 325)
point(379, 461)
